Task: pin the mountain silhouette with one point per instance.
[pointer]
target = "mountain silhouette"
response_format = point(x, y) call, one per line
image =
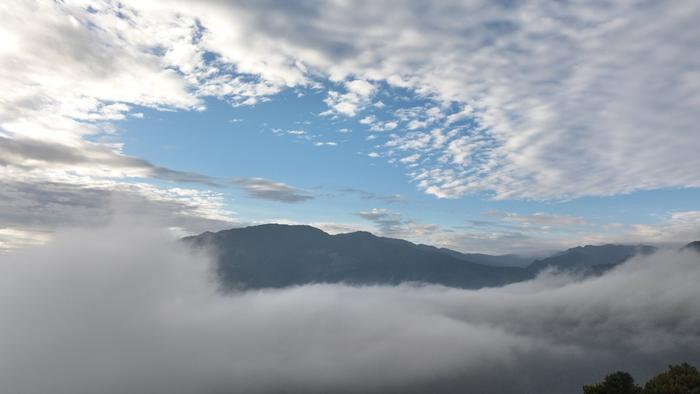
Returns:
point(278, 255)
point(695, 245)
point(591, 258)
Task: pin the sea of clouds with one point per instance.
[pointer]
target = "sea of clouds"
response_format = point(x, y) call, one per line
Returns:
point(126, 309)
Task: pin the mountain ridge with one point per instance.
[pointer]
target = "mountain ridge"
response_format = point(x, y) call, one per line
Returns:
point(280, 255)
point(275, 255)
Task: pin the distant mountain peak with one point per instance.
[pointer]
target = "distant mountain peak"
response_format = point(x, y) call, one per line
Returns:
point(695, 245)
point(276, 228)
point(279, 255)
point(359, 234)
point(593, 257)
point(284, 226)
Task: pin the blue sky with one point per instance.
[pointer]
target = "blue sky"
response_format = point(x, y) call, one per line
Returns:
point(481, 126)
point(266, 141)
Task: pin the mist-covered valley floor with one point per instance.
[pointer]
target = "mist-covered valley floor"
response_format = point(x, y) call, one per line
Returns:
point(127, 309)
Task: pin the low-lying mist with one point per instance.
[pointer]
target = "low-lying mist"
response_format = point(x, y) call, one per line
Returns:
point(128, 310)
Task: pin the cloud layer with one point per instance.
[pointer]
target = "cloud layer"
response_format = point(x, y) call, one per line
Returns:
point(511, 100)
point(31, 210)
point(270, 190)
point(523, 99)
point(69, 71)
point(123, 310)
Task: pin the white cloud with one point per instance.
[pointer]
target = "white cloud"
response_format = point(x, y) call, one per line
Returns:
point(543, 100)
point(83, 158)
point(369, 119)
point(71, 68)
point(676, 227)
point(440, 138)
point(360, 87)
point(32, 209)
point(539, 218)
point(367, 195)
point(171, 331)
point(356, 98)
point(409, 141)
point(558, 90)
point(270, 190)
point(329, 227)
point(390, 125)
point(466, 112)
point(533, 234)
point(13, 238)
point(394, 224)
point(410, 159)
point(460, 150)
point(376, 125)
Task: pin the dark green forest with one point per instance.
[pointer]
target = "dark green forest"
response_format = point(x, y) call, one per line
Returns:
point(678, 379)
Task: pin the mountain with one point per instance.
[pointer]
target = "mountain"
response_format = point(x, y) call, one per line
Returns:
point(591, 258)
point(504, 260)
point(695, 245)
point(275, 255)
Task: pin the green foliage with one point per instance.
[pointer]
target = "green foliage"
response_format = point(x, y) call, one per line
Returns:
point(679, 379)
point(616, 383)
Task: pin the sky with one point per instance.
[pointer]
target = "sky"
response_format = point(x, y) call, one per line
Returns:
point(484, 126)
point(499, 126)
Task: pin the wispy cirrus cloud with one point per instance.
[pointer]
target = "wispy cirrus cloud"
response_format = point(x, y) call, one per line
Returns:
point(395, 224)
point(539, 218)
point(89, 159)
point(266, 189)
point(325, 143)
point(367, 195)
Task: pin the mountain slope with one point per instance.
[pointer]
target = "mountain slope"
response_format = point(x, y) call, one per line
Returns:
point(695, 245)
point(591, 258)
point(274, 255)
point(504, 260)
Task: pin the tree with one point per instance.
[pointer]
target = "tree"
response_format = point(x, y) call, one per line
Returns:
point(615, 383)
point(679, 379)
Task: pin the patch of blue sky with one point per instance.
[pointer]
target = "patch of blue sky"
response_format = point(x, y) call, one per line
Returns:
point(286, 140)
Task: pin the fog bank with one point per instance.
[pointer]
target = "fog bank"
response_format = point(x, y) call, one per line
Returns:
point(127, 310)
